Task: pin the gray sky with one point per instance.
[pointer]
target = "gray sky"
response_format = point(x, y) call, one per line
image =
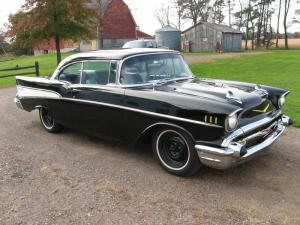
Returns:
point(142, 11)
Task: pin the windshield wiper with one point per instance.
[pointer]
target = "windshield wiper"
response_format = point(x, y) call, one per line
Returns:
point(167, 80)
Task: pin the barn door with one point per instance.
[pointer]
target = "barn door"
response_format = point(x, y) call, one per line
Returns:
point(227, 42)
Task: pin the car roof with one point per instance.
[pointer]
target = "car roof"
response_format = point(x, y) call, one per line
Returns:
point(114, 54)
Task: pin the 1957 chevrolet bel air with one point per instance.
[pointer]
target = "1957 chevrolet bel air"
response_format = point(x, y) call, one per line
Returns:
point(134, 94)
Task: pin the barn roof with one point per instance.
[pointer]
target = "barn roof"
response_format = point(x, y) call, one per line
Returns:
point(219, 27)
point(104, 4)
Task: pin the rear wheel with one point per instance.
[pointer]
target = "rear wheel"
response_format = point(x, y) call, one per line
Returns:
point(48, 121)
point(175, 152)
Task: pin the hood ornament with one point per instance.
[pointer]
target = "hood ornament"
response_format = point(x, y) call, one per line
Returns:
point(230, 96)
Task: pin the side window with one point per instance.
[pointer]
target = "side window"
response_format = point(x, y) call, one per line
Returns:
point(71, 74)
point(95, 72)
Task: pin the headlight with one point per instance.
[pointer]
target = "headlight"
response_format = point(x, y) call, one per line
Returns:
point(281, 101)
point(231, 122)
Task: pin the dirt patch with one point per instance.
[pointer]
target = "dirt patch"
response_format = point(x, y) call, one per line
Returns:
point(73, 178)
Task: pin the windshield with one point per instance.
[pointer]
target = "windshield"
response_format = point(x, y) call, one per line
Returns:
point(152, 68)
point(135, 44)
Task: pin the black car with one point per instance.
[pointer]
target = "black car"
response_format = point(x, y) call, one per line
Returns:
point(142, 94)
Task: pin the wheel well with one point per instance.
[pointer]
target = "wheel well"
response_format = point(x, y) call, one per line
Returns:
point(147, 135)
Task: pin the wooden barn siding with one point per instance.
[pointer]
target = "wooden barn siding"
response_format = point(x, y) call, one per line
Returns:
point(204, 38)
point(232, 42)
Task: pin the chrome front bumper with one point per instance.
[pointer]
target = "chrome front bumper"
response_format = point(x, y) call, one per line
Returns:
point(18, 103)
point(233, 153)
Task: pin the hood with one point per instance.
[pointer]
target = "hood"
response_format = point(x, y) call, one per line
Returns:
point(214, 90)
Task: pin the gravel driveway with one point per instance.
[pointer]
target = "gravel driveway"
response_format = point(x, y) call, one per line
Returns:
point(73, 178)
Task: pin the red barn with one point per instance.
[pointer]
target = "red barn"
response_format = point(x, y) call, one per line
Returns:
point(119, 27)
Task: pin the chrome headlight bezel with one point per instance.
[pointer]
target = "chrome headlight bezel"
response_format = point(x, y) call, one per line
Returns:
point(231, 122)
point(281, 101)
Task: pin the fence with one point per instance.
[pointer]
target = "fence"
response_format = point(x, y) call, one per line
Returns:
point(36, 71)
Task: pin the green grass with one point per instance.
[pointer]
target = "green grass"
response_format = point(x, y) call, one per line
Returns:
point(47, 66)
point(279, 68)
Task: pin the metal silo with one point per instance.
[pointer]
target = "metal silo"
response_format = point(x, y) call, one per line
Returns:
point(169, 36)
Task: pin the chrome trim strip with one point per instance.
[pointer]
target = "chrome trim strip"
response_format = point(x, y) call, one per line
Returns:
point(235, 111)
point(58, 96)
point(25, 92)
point(143, 111)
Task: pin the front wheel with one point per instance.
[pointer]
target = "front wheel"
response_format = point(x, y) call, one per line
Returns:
point(175, 152)
point(48, 121)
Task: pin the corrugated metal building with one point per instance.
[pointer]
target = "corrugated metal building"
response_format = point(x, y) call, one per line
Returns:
point(169, 36)
point(205, 37)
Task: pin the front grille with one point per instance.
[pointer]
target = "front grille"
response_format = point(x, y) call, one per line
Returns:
point(265, 107)
point(258, 135)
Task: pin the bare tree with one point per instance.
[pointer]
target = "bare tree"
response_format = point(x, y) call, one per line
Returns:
point(162, 14)
point(230, 5)
point(285, 25)
point(179, 12)
point(239, 17)
point(195, 10)
point(218, 15)
point(248, 11)
point(278, 20)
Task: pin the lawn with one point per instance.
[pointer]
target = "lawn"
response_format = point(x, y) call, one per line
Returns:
point(47, 66)
point(279, 68)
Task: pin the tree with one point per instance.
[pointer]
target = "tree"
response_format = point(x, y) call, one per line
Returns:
point(19, 31)
point(217, 9)
point(179, 12)
point(285, 25)
point(195, 10)
point(162, 14)
point(239, 17)
point(2, 35)
point(230, 4)
point(99, 13)
point(54, 19)
point(248, 11)
point(278, 20)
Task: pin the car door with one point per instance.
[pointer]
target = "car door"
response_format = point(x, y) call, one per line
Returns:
point(98, 99)
point(63, 109)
